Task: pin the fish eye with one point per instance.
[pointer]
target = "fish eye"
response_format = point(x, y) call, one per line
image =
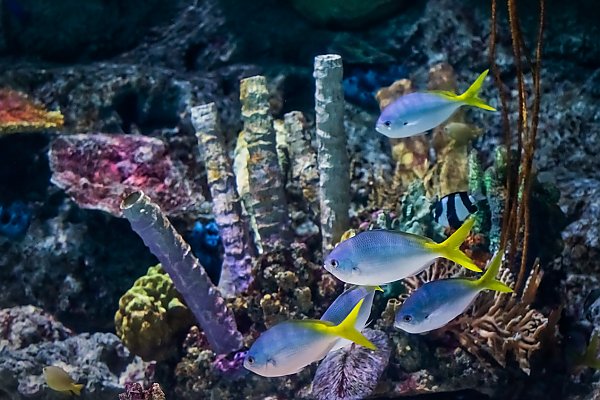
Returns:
point(407, 318)
point(387, 124)
point(334, 263)
point(250, 360)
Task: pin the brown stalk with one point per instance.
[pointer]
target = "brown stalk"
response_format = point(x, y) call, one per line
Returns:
point(522, 120)
point(530, 148)
point(506, 223)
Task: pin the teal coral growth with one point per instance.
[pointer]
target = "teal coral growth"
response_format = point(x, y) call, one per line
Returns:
point(152, 317)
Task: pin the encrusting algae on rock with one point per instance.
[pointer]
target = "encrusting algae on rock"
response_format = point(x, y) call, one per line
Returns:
point(18, 113)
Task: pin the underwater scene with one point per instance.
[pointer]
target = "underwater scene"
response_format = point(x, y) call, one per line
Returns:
point(299, 199)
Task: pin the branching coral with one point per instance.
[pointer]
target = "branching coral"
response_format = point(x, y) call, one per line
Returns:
point(135, 391)
point(516, 223)
point(18, 113)
point(189, 277)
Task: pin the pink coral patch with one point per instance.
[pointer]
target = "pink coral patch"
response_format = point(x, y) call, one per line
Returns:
point(97, 170)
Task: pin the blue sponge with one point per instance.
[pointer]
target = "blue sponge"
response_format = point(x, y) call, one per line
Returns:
point(206, 246)
point(14, 220)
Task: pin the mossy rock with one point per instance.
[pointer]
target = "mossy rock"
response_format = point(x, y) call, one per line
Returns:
point(347, 13)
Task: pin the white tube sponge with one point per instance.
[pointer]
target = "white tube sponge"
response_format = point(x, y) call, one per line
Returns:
point(332, 154)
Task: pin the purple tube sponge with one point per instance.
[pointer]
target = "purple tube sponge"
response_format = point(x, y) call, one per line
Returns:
point(237, 264)
point(352, 372)
point(188, 275)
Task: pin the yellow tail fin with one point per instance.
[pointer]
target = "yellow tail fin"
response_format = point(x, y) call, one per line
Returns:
point(488, 280)
point(449, 248)
point(76, 388)
point(347, 330)
point(470, 96)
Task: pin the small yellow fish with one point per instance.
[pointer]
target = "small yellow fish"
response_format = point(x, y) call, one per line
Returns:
point(57, 379)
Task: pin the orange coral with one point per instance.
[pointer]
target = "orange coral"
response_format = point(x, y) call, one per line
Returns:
point(18, 113)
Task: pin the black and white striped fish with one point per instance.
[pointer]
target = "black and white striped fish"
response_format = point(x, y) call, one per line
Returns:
point(453, 209)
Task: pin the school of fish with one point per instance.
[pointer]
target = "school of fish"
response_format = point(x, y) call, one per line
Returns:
point(378, 257)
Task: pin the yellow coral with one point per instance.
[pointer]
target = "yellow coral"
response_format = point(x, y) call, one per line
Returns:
point(151, 316)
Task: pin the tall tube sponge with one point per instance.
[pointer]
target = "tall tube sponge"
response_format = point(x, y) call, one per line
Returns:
point(227, 208)
point(304, 169)
point(267, 195)
point(332, 154)
point(189, 277)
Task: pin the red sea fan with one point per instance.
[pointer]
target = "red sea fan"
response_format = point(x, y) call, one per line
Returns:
point(352, 372)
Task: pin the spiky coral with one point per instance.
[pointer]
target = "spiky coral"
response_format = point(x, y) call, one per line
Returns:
point(18, 113)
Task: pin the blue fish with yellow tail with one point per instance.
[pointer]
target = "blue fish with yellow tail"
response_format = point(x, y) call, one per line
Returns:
point(436, 303)
point(418, 112)
point(288, 347)
point(343, 305)
point(378, 257)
